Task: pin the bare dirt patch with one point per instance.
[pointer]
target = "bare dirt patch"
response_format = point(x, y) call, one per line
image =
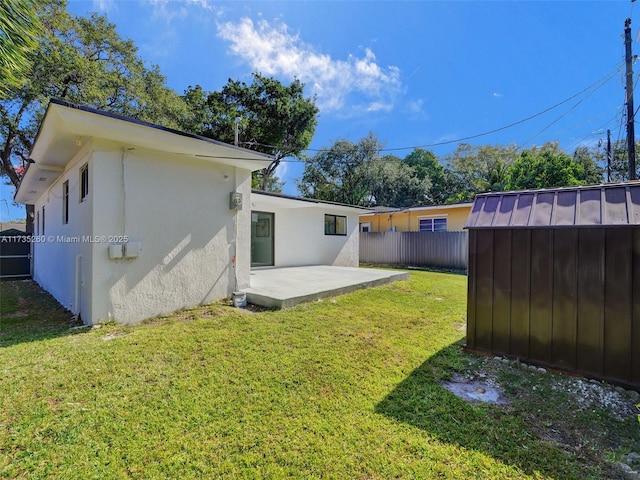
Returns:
point(474, 388)
point(586, 417)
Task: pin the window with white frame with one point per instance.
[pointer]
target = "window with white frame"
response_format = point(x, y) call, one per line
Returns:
point(433, 224)
point(365, 227)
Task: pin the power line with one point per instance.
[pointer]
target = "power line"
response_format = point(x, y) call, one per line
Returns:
point(599, 83)
point(622, 122)
point(565, 113)
point(585, 122)
point(595, 132)
point(603, 80)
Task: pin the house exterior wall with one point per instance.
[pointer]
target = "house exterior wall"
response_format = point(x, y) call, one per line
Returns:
point(61, 253)
point(299, 237)
point(409, 220)
point(177, 209)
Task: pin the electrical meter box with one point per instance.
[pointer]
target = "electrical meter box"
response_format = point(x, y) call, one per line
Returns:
point(132, 249)
point(235, 201)
point(115, 251)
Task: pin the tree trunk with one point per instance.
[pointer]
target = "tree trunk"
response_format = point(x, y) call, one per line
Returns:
point(267, 173)
point(30, 216)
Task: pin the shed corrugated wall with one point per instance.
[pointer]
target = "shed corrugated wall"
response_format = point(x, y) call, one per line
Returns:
point(562, 288)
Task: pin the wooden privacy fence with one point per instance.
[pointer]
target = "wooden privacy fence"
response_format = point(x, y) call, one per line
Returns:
point(420, 249)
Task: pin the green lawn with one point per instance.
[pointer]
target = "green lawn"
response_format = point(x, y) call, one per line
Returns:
point(344, 388)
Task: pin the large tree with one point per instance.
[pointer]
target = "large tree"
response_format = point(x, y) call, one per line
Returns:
point(356, 173)
point(394, 183)
point(427, 166)
point(19, 29)
point(273, 118)
point(477, 169)
point(593, 171)
point(544, 169)
point(82, 60)
point(342, 172)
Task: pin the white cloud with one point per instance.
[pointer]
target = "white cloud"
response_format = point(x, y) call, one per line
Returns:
point(204, 4)
point(104, 5)
point(416, 106)
point(379, 106)
point(169, 10)
point(497, 95)
point(273, 50)
point(415, 109)
point(169, 18)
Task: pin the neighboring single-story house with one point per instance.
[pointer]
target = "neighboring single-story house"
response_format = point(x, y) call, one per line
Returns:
point(134, 220)
point(437, 218)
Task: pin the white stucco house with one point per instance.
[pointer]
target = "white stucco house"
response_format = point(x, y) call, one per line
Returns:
point(134, 220)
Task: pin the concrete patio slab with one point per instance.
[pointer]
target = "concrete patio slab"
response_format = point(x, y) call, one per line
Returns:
point(286, 287)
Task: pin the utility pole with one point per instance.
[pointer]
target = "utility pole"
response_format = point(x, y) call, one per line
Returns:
point(608, 155)
point(631, 136)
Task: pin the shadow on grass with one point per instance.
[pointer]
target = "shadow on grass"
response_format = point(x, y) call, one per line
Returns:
point(497, 431)
point(28, 314)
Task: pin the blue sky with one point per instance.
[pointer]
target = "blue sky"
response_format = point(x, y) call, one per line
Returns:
point(414, 73)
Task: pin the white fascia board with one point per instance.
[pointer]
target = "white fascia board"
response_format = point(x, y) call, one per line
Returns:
point(265, 201)
point(131, 134)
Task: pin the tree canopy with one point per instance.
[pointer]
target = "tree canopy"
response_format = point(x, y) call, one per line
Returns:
point(477, 169)
point(19, 29)
point(540, 170)
point(341, 173)
point(427, 166)
point(619, 165)
point(273, 118)
point(357, 174)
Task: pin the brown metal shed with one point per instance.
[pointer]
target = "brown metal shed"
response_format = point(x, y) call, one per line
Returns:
point(554, 279)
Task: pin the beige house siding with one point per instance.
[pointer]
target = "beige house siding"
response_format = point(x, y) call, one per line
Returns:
point(408, 220)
